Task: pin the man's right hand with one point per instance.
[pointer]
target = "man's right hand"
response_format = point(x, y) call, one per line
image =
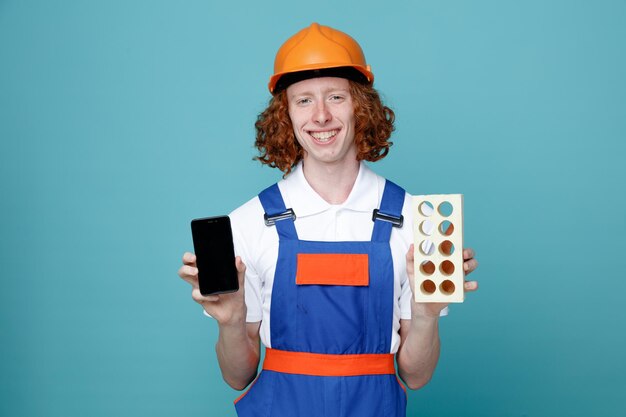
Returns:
point(238, 348)
point(227, 309)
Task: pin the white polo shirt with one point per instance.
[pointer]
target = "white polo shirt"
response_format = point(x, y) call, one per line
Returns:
point(317, 220)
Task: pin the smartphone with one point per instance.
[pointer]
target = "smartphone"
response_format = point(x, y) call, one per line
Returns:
point(215, 255)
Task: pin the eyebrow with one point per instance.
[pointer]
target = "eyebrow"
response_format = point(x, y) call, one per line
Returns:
point(326, 91)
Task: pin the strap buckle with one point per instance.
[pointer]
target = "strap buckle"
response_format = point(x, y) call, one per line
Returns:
point(394, 220)
point(270, 220)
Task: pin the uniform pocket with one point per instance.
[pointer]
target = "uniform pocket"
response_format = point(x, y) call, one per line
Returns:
point(256, 401)
point(331, 302)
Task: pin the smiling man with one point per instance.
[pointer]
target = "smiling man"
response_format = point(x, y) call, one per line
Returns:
point(326, 282)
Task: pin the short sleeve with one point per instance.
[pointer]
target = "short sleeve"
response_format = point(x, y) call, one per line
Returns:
point(252, 286)
point(252, 283)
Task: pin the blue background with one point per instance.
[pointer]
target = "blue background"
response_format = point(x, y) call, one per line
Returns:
point(122, 120)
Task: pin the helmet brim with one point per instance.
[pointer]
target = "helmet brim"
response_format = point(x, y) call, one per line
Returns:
point(281, 81)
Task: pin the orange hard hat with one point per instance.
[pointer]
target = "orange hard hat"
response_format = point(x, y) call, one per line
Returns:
point(319, 48)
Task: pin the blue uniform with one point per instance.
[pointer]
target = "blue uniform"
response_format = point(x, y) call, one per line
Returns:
point(317, 321)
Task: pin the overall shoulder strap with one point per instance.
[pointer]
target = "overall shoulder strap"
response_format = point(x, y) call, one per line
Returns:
point(277, 214)
point(390, 212)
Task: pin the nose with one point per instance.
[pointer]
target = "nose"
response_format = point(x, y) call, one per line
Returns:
point(322, 114)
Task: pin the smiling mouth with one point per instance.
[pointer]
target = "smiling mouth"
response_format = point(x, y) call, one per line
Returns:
point(324, 137)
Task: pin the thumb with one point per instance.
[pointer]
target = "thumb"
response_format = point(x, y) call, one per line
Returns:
point(410, 267)
point(241, 271)
point(410, 256)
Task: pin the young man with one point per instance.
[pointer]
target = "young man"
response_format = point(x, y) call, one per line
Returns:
point(325, 285)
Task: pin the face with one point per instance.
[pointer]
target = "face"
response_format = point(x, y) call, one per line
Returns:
point(322, 116)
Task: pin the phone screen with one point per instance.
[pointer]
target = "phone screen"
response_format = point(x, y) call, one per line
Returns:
point(215, 255)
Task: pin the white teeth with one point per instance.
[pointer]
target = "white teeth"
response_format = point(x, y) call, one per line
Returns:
point(324, 136)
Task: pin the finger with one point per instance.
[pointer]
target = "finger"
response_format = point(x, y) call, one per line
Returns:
point(199, 298)
point(470, 266)
point(410, 265)
point(241, 271)
point(470, 286)
point(189, 259)
point(188, 271)
point(468, 253)
point(241, 267)
point(189, 274)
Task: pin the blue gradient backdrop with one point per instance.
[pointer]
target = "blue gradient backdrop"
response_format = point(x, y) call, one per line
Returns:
point(122, 120)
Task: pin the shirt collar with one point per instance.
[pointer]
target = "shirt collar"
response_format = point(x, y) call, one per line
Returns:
point(301, 197)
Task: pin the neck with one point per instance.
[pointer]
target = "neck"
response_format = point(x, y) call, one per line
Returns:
point(332, 182)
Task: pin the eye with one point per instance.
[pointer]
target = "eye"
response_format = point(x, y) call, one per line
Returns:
point(303, 101)
point(336, 97)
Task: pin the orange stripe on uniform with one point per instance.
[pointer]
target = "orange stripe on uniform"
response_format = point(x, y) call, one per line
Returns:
point(333, 269)
point(319, 364)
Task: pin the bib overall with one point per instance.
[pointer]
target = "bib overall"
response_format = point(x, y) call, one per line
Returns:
point(330, 324)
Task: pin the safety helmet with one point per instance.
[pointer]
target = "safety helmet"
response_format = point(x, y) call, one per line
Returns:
point(319, 51)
